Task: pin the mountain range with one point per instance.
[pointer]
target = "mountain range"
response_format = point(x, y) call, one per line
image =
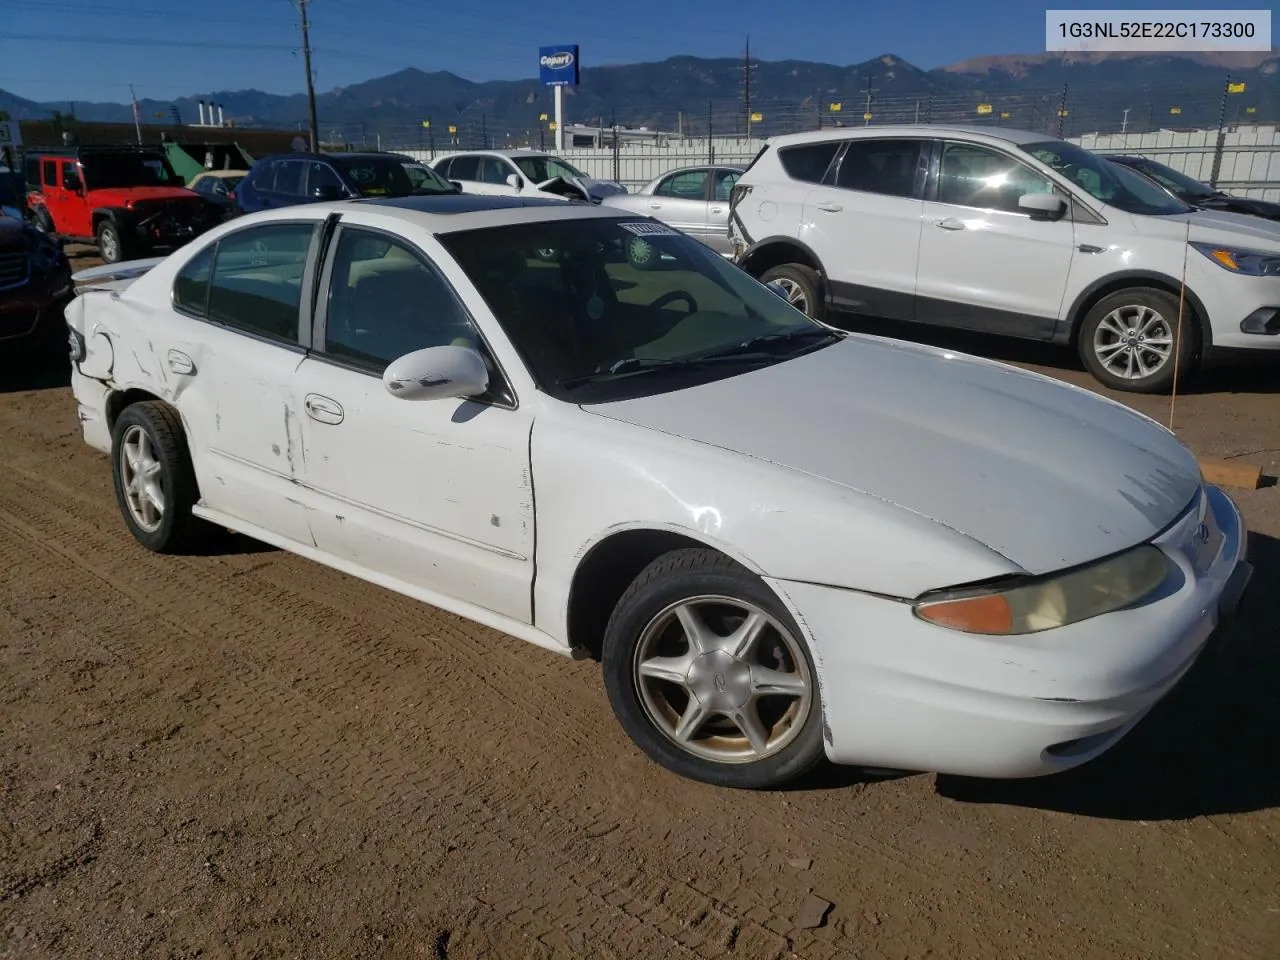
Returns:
point(689, 92)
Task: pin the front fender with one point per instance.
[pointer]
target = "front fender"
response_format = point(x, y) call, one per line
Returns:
point(595, 477)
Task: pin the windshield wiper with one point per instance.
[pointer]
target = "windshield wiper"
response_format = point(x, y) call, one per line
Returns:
point(630, 366)
point(766, 340)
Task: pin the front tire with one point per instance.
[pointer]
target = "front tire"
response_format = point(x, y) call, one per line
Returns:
point(1127, 340)
point(111, 244)
point(803, 286)
point(154, 481)
point(710, 676)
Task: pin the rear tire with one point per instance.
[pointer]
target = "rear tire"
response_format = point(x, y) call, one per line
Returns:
point(709, 674)
point(804, 288)
point(1127, 341)
point(154, 481)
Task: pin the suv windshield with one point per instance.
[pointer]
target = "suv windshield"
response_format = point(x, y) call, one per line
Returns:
point(542, 169)
point(108, 170)
point(1103, 180)
point(391, 177)
point(603, 309)
point(1181, 185)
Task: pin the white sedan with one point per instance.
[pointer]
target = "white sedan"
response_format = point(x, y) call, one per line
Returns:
point(586, 429)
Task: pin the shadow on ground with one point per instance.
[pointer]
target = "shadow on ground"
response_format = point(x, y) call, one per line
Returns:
point(1209, 748)
point(41, 366)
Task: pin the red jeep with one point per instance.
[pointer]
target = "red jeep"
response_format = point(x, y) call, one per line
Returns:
point(125, 200)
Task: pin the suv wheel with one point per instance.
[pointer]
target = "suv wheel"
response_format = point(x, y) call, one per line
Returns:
point(803, 286)
point(708, 673)
point(110, 242)
point(1127, 340)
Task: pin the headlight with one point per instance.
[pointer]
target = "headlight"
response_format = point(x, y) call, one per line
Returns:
point(1252, 263)
point(1054, 601)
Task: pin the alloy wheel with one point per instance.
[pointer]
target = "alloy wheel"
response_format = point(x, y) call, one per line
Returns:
point(141, 475)
point(722, 679)
point(1133, 342)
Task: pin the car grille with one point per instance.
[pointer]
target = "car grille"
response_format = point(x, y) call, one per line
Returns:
point(13, 269)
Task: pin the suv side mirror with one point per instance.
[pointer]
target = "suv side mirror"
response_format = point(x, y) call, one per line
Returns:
point(457, 185)
point(1043, 206)
point(513, 181)
point(437, 373)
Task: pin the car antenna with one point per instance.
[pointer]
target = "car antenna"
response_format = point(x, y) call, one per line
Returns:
point(1177, 336)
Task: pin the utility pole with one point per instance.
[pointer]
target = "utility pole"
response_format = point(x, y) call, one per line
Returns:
point(311, 89)
point(867, 118)
point(1124, 121)
point(746, 83)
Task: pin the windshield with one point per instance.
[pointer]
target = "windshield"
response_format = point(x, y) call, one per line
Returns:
point(604, 309)
point(106, 170)
point(1111, 183)
point(1175, 180)
point(392, 177)
point(541, 169)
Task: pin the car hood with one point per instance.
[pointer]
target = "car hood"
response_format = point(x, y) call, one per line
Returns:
point(118, 195)
point(1215, 226)
point(1045, 474)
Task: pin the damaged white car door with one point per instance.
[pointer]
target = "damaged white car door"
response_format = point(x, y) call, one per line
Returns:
point(426, 481)
point(234, 355)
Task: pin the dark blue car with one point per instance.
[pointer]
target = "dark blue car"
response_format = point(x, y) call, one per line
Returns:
point(286, 179)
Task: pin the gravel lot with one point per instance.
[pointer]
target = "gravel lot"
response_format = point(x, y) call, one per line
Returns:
point(248, 755)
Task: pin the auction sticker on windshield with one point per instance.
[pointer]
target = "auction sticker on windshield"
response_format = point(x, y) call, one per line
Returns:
point(645, 229)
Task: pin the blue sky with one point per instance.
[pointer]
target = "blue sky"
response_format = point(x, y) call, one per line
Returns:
point(253, 43)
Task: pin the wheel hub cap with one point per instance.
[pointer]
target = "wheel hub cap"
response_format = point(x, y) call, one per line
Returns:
point(720, 681)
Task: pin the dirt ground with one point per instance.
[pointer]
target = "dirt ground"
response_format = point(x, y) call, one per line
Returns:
point(248, 755)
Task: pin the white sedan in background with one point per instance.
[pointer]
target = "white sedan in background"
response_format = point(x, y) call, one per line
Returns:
point(782, 541)
point(694, 200)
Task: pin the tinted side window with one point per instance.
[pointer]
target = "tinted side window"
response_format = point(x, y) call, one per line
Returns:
point(191, 288)
point(880, 166)
point(465, 168)
point(689, 185)
point(322, 175)
point(264, 175)
point(808, 162)
point(257, 279)
point(443, 167)
point(725, 179)
point(973, 176)
point(385, 301)
point(493, 170)
point(70, 175)
point(289, 177)
point(49, 173)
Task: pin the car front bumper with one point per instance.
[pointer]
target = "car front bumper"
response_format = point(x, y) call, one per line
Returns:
point(901, 693)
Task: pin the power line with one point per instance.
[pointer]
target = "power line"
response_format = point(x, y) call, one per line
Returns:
point(311, 89)
point(138, 42)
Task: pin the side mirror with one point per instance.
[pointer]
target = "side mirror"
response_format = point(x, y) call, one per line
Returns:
point(777, 288)
point(327, 191)
point(514, 182)
point(1042, 206)
point(437, 373)
point(457, 185)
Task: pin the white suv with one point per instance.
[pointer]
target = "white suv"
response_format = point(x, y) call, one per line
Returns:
point(1010, 232)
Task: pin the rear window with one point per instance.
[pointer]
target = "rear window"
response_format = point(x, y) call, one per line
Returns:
point(808, 162)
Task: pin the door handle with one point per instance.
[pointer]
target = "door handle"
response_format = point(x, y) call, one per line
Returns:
point(655, 206)
point(1088, 248)
point(323, 409)
point(950, 223)
point(717, 209)
point(181, 364)
point(828, 206)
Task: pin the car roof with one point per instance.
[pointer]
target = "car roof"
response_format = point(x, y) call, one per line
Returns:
point(449, 213)
point(219, 173)
point(307, 155)
point(1006, 134)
